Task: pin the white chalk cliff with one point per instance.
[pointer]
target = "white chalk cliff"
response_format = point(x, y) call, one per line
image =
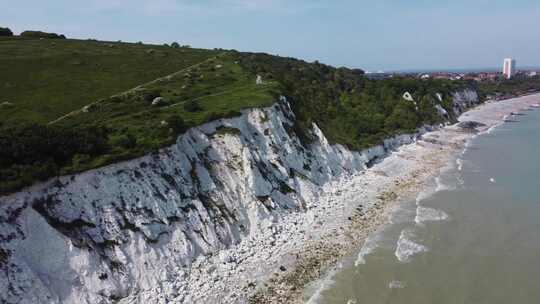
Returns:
point(127, 232)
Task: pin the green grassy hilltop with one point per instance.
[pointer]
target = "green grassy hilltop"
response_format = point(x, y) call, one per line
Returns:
point(46, 78)
point(71, 105)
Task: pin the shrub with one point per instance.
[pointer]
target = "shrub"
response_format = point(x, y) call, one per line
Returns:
point(231, 114)
point(79, 159)
point(150, 95)
point(227, 130)
point(126, 141)
point(6, 32)
point(36, 152)
point(212, 116)
point(175, 45)
point(176, 123)
point(40, 34)
point(192, 106)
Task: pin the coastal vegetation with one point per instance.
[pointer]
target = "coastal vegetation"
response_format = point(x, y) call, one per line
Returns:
point(40, 34)
point(351, 109)
point(6, 32)
point(68, 106)
point(509, 87)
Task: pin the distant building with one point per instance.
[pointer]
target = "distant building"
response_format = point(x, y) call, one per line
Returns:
point(509, 68)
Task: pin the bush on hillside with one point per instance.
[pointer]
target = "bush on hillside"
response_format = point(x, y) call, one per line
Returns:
point(175, 45)
point(126, 141)
point(40, 34)
point(211, 116)
point(36, 152)
point(349, 108)
point(176, 123)
point(150, 95)
point(5, 32)
point(192, 106)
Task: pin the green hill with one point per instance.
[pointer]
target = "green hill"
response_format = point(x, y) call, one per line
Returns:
point(71, 105)
point(47, 78)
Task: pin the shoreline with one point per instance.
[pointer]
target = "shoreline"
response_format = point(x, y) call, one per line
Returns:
point(199, 256)
point(399, 177)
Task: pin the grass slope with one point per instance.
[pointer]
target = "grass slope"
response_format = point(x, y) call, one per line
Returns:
point(46, 78)
point(72, 105)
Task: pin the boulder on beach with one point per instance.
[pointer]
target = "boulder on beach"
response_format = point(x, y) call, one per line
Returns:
point(470, 125)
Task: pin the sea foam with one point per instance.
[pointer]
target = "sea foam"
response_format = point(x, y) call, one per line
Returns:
point(395, 284)
point(406, 247)
point(426, 193)
point(370, 244)
point(425, 214)
point(442, 186)
point(323, 284)
point(459, 163)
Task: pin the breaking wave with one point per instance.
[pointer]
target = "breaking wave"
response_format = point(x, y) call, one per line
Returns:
point(323, 284)
point(424, 195)
point(459, 163)
point(370, 244)
point(488, 131)
point(442, 186)
point(467, 146)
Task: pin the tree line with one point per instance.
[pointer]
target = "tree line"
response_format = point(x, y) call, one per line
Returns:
point(33, 152)
point(351, 109)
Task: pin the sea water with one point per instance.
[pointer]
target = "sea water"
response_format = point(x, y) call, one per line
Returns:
point(473, 237)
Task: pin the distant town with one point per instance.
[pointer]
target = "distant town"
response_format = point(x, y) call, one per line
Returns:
point(508, 71)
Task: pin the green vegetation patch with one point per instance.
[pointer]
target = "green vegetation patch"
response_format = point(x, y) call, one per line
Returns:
point(40, 34)
point(169, 91)
point(509, 87)
point(349, 108)
point(45, 79)
point(227, 130)
point(6, 32)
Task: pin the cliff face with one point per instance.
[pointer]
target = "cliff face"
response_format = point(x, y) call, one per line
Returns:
point(464, 99)
point(130, 231)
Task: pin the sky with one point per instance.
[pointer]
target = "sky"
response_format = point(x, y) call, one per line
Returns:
point(372, 35)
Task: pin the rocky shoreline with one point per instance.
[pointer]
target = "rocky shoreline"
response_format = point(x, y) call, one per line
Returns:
point(399, 177)
point(246, 216)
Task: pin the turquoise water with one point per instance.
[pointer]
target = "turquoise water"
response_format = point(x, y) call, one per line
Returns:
point(475, 240)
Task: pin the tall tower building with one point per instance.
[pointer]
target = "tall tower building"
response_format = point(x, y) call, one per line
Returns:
point(509, 68)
